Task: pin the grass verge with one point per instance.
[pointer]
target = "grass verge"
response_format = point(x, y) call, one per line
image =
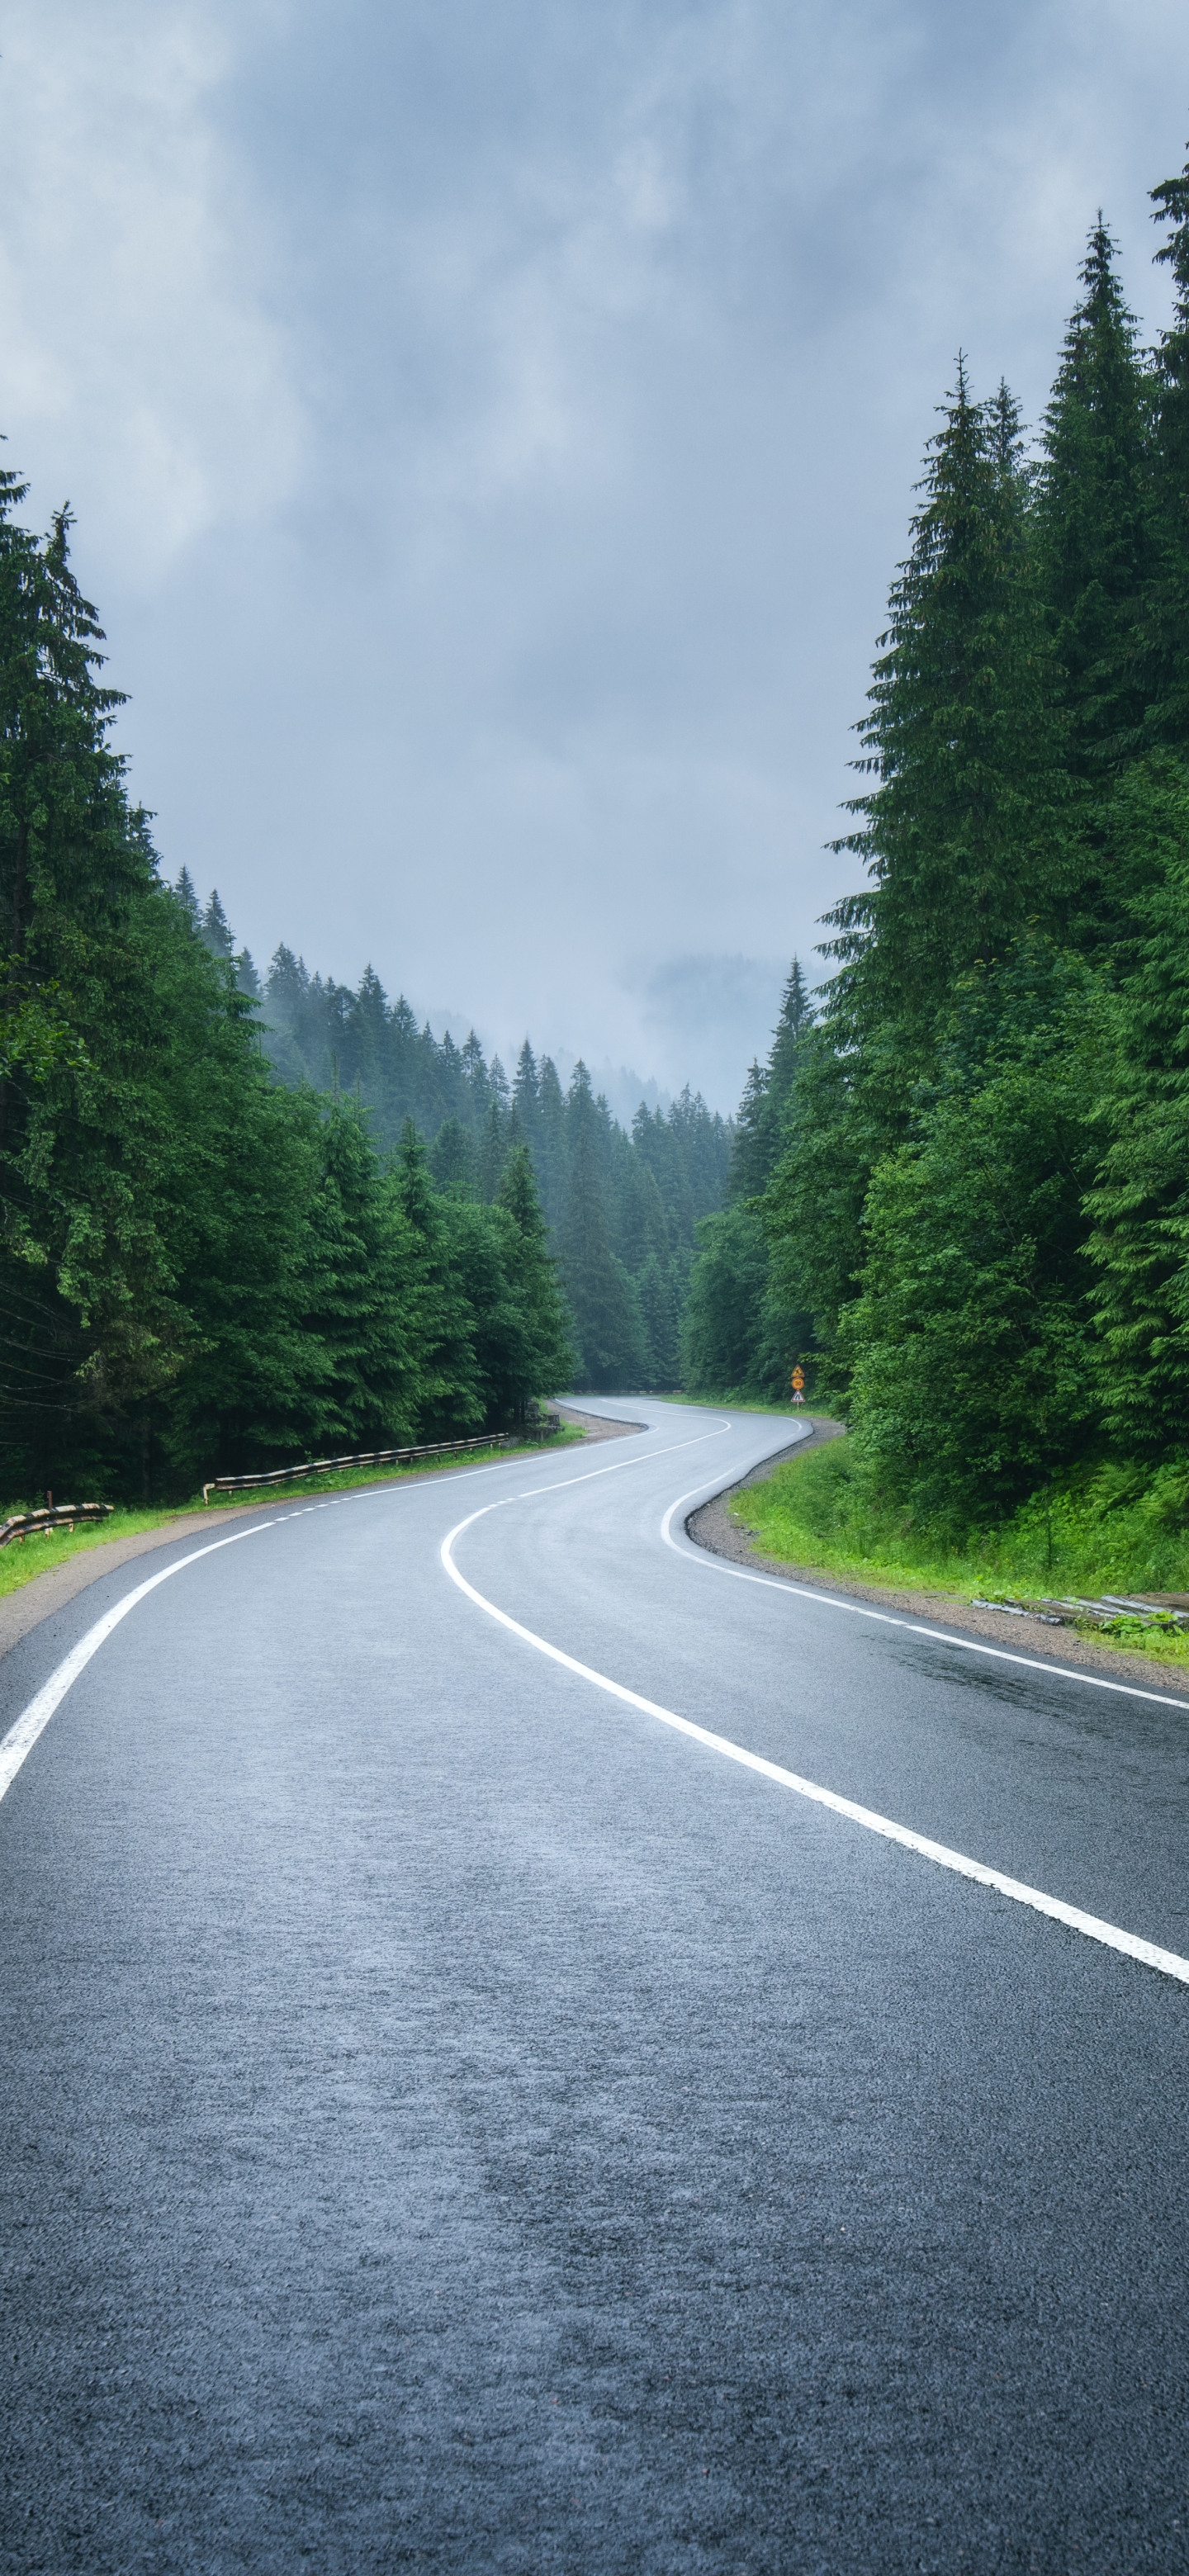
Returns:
point(1111, 1531)
point(23, 1559)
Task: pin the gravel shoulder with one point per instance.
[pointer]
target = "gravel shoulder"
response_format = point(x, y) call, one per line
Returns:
point(712, 1527)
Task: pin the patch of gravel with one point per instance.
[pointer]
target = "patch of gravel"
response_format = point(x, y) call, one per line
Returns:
point(712, 1527)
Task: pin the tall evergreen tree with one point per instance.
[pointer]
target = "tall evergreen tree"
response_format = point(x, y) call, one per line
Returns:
point(1094, 517)
point(964, 830)
point(216, 929)
point(526, 1095)
point(451, 1395)
point(356, 1297)
point(759, 1127)
point(608, 1332)
point(549, 1351)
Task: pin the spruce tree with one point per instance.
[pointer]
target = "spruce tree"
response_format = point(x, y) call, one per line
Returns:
point(550, 1157)
point(454, 1162)
point(607, 1330)
point(546, 1321)
point(1093, 518)
point(749, 1155)
point(964, 830)
point(759, 1126)
point(356, 1297)
point(526, 1095)
point(216, 929)
point(451, 1394)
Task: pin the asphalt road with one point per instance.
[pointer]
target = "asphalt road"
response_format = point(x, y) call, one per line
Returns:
point(451, 2118)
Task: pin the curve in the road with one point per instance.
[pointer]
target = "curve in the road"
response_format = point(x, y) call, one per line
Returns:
point(1148, 1953)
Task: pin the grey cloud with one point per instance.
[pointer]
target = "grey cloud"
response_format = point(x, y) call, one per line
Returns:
point(492, 432)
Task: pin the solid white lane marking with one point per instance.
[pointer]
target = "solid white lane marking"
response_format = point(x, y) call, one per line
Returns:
point(694, 1555)
point(1148, 1953)
point(22, 1737)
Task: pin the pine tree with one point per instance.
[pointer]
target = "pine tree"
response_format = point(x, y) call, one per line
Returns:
point(216, 929)
point(550, 1156)
point(660, 1309)
point(451, 1395)
point(606, 1329)
point(454, 1161)
point(749, 1155)
point(964, 830)
point(526, 1096)
point(493, 1147)
point(356, 1297)
point(547, 1328)
point(187, 895)
point(759, 1127)
point(1093, 517)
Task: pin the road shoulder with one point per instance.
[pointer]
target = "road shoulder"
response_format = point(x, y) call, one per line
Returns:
point(713, 1528)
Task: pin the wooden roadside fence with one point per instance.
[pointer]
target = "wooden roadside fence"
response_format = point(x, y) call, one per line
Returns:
point(384, 1458)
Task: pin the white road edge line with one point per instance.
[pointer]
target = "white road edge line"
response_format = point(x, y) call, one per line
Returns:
point(1148, 1954)
point(22, 1737)
point(694, 1555)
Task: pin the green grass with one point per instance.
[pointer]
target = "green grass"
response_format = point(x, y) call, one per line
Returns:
point(1112, 1530)
point(23, 1559)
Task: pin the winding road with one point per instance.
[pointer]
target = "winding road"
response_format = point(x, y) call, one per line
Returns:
point(528, 2048)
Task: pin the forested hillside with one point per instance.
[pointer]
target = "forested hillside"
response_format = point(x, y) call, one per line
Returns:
point(979, 1198)
point(240, 1225)
point(621, 1210)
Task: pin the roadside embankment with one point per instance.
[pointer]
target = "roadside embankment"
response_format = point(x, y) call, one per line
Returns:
point(758, 1524)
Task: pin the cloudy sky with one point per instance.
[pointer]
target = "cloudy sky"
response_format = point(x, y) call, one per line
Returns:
point(491, 426)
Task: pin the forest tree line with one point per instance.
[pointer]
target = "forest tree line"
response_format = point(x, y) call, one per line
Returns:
point(621, 1210)
point(978, 1199)
point(241, 1225)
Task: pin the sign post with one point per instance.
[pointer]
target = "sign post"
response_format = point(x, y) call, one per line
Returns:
point(798, 1385)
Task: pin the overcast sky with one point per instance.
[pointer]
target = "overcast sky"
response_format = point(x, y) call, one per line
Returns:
point(491, 425)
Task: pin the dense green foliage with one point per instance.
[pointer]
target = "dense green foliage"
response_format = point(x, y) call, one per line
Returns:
point(981, 1195)
point(621, 1210)
point(740, 1333)
point(200, 1268)
point(238, 1225)
point(1100, 1530)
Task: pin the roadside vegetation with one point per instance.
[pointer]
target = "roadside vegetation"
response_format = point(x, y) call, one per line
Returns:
point(240, 1223)
point(959, 1190)
point(1102, 1531)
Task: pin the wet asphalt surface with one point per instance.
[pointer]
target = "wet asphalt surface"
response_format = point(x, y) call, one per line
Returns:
point(450, 2120)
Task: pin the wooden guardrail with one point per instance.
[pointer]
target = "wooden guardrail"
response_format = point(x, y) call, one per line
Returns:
point(383, 1458)
point(58, 1516)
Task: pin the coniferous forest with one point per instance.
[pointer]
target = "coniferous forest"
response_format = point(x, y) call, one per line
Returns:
point(241, 1225)
point(978, 1195)
point(246, 1216)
